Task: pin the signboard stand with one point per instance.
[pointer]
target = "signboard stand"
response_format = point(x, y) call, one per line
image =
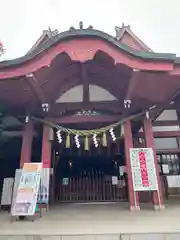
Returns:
point(143, 171)
point(24, 205)
point(26, 218)
point(38, 211)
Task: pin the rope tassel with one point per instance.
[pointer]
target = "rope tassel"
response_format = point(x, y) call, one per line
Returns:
point(104, 140)
point(86, 143)
point(122, 130)
point(68, 141)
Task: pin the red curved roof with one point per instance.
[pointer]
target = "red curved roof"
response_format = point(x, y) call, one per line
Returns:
point(44, 74)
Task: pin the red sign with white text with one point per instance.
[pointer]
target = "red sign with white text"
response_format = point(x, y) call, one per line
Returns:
point(143, 169)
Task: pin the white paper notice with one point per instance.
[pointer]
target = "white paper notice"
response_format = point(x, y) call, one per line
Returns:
point(121, 170)
point(173, 181)
point(165, 168)
point(114, 180)
point(43, 195)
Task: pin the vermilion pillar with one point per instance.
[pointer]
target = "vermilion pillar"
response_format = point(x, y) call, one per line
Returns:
point(46, 156)
point(149, 140)
point(133, 197)
point(27, 139)
point(46, 147)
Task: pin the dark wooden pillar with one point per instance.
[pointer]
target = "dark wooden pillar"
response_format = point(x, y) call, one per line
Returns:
point(85, 84)
point(27, 139)
point(158, 201)
point(133, 197)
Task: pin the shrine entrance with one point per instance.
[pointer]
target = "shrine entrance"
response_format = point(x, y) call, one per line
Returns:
point(89, 176)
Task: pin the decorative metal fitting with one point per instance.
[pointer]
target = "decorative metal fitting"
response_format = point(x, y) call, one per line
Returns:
point(127, 103)
point(45, 107)
point(29, 75)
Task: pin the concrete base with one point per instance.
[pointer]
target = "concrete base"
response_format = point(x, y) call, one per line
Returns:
point(134, 208)
point(159, 207)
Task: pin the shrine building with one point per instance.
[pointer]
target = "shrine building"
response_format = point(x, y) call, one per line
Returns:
point(79, 101)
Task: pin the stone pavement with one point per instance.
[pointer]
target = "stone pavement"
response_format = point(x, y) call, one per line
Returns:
point(96, 222)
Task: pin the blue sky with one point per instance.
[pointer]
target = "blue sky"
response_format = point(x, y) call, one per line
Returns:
point(156, 22)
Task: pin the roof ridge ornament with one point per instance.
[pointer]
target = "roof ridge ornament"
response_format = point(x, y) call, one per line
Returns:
point(125, 26)
point(81, 25)
point(71, 28)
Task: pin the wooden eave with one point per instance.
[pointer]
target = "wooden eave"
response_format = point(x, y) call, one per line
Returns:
point(50, 81)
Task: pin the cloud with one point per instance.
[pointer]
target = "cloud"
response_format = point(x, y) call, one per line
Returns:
point(155, 21)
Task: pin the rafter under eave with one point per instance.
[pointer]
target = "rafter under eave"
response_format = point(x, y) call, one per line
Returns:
point(36, 88)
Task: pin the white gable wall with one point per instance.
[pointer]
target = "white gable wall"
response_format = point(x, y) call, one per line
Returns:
point(168, 115)
point(74, 94)
point(96, 94)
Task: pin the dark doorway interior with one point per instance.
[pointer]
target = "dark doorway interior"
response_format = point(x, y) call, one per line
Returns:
point(10, 149)
point(9, 158)
point(76, 166)
point(82, 176)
